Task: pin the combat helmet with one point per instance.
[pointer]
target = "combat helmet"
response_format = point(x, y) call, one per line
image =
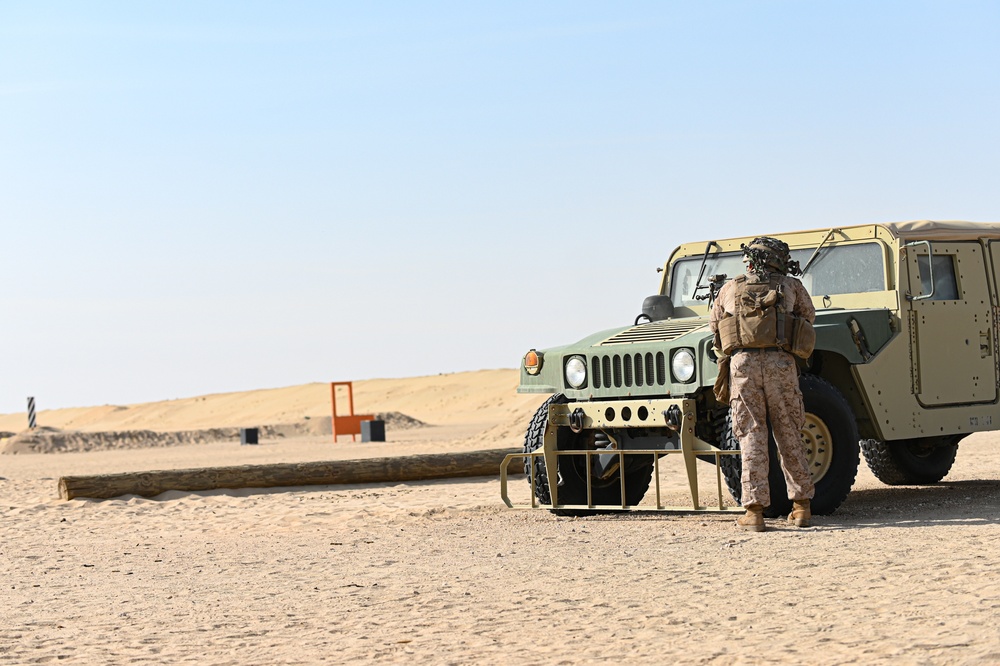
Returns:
point(769, 255)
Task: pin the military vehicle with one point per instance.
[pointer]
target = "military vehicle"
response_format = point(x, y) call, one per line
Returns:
point(905, 367)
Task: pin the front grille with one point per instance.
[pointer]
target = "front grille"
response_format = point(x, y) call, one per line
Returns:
point(617, 370)
point(657, 331)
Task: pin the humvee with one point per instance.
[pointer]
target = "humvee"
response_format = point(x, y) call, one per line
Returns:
point(905, 367)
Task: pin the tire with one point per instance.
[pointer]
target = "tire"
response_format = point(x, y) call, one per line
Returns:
point(533, 440)
point(911, 462)
point(829, 420)
point(572, 469)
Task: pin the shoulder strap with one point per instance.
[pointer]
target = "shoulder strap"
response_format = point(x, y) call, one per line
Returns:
point(738, 294)
point(778, 283)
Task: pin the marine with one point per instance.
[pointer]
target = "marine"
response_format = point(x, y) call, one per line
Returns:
point(762, 320)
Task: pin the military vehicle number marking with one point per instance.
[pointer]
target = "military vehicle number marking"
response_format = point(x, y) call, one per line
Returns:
point(980, 421)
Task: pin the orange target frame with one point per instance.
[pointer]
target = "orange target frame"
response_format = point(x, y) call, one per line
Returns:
point(349, 424)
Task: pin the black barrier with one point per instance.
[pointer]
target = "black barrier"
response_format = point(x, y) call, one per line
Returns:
point(373, 431)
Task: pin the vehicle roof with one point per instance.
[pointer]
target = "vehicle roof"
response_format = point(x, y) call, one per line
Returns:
point(932, 229)
point(914, 230)
point(943, 230)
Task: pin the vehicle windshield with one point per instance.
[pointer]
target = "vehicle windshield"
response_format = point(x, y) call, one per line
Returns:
point(840, 269)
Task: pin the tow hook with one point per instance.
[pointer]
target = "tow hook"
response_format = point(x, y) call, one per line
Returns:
point(576, 420)
point(673, 416)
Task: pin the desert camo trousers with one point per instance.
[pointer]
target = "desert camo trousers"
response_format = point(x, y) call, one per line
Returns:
point(764, 386)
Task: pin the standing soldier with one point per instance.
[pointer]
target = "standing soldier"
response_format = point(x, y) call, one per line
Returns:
point(760, 320)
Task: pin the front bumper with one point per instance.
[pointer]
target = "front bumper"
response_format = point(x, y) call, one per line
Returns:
point(678, 415)
point(642, 413)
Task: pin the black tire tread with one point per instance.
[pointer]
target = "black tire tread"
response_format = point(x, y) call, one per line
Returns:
point(637, 480)
point(880, 461)
point(894, 465)
point(533, 440)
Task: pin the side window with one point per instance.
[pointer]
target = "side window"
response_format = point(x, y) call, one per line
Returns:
point(945, 284)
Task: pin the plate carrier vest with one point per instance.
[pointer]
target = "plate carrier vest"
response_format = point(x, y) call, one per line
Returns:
point(761, 320)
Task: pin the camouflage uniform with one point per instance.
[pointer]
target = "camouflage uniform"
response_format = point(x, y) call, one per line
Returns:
point(764, 385)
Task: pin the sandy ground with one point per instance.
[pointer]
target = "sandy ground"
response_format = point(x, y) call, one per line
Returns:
point(442, 572)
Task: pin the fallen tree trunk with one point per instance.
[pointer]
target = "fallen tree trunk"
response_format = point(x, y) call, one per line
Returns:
point(365, 470)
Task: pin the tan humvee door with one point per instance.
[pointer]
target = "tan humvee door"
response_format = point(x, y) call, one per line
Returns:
point(951, 320)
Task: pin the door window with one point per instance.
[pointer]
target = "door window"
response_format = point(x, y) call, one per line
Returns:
point(943, 273)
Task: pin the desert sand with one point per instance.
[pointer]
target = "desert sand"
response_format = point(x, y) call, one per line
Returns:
point(443, 572)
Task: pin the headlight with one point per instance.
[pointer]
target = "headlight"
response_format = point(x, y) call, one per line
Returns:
point(682, 365)
point(576, 372)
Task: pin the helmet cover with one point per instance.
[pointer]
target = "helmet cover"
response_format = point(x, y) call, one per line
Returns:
point(769, 255)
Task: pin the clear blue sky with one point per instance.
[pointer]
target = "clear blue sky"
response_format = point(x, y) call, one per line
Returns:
point(209, 196)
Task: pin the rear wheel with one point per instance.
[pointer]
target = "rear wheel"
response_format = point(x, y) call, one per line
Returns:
point(830, 437)
point(918, 461)
point(572, 470)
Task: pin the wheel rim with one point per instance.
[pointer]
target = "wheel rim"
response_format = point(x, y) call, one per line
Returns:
point(818, 443)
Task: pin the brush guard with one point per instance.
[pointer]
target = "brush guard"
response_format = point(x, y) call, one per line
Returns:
point(675, 415)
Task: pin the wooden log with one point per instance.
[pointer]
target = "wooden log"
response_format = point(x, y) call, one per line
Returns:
point(366, 470)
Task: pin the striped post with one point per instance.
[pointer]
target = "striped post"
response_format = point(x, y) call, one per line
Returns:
point(31, 414)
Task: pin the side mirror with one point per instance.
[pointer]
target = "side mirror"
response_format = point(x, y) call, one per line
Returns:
point(657, 307)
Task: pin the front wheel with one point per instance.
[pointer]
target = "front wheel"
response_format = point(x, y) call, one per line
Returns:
point(571, 470)
point(830, 437)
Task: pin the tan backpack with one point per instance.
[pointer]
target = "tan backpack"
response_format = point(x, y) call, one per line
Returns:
point(760, 320)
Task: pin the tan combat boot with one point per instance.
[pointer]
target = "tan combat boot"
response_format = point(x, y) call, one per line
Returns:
point(800, 514)
point(753, 520)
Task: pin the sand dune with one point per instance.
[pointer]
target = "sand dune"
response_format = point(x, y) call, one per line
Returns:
point(440, 572)
point(482, 397)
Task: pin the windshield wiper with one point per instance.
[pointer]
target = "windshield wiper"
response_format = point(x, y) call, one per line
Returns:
point(815, 253)
point(701, 271)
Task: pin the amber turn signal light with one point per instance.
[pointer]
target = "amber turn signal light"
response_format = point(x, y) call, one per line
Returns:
point(533, 362)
